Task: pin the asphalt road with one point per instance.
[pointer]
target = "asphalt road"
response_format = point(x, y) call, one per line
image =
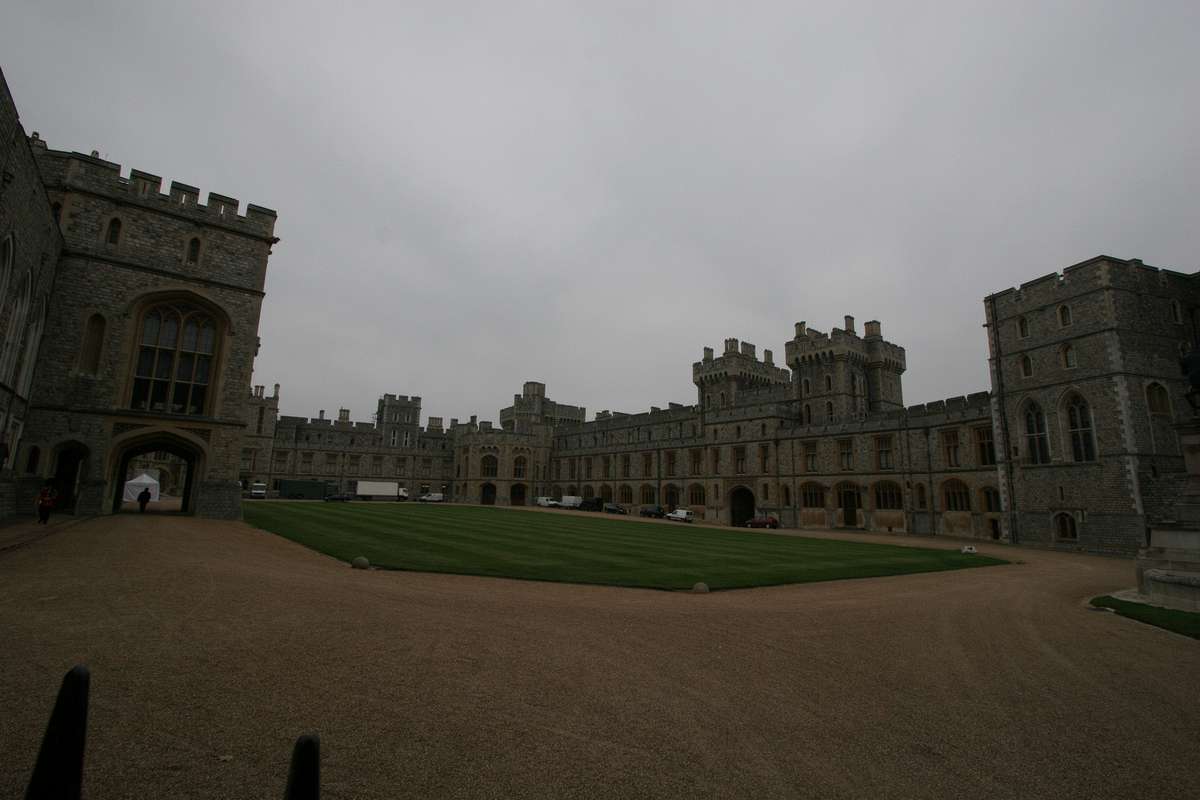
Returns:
point(213, 645)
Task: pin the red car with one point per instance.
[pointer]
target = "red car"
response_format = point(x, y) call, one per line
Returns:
point(764, 521)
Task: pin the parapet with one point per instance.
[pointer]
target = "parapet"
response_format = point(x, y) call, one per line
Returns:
point(95, 174)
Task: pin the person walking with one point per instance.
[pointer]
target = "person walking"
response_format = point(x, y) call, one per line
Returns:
point(45, 504)
point(143, 498)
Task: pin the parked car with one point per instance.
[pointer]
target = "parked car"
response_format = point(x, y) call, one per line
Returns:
point(338, 498)
point(762, 521)
point(546, 502)
point(613, 508)
point(658, 512)
point(591, 504)
point(432, 497)
point(681, 515)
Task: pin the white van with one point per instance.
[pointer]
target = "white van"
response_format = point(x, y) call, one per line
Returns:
point(258, 491)
point(681, 515)
point(570, 501)
point(432, 497)
point(546, 502)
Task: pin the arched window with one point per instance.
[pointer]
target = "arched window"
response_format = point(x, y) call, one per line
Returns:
point(626, 494)
point(15, 334)
point(647, 494)
point(488, 466)
point(519, 467)
point(1064, 316)
point(828, 383)
point(113, 234)
point(1068, 356)
point(28, 357)
point(956, 496)
point(1079, 425)
point(888, 496)
point(1037, 443)
point(193, 250)
point(787, 495)
point(1157, 399)
point(812, 495)
point(1064, 527)
point(93, 339)
point(1023, 328)
point(828, 410)
point(1026, 367)
point(807, 388)
point(178, 344)
point(696, 495)
point(921, 501)
point(991, 499)
point(31, 463)
point(8, 249)
point(722, 399)
point(807, 414)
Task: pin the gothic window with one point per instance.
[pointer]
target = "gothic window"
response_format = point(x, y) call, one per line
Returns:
point(985, 445)
point(950, 448)
point(883, 452)
point(846, 454)
point(829, 411)
point(921, 502)
point(28, 356)
point(17, 316)
point(828, 383)
point(739, 460)
point(93, 338)
point(991, 499)
point(806, 388)
point(1037, 443)
point(1064, 527)
point(647, 494)
point(888, 496)
point(1157, 400)
point(1023, 328)
point(787, 495)
point(193, 251)
point(696, 495)
point(519, 467)
point(810, 456)
point(177, 346)
point(812, 495)
point(113, 234)
point(1026, 367)
point(1079, 426)
point(626, 494)
point(488, 466)
point(957, 497)
point(1068, 356)
point(1064, 316)
point(807, 414)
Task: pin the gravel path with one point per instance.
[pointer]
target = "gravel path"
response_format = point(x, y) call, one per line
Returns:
point(213, 645)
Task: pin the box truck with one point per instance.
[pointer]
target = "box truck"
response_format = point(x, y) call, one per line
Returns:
point(380, 490)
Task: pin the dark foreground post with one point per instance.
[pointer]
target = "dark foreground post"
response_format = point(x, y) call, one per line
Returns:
point(58, 773)
point(304, 777)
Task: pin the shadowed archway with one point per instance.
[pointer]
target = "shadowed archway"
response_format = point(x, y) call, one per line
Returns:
point(741, 506)
point(516, 495)
point(487, 494)
point(159, 443)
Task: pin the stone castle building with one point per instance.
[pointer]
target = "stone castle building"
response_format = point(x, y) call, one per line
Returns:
point(128, 326)
point(1073, 447)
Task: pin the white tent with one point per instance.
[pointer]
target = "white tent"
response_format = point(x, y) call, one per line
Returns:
point(134, 487)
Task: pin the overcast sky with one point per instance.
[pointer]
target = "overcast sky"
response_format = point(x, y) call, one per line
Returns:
point(472, 195)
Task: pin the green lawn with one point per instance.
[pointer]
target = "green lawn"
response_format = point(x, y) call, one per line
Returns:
point(553, 546)
point(1185, 622)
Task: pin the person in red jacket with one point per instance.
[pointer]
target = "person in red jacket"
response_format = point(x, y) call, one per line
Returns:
point(45, 504)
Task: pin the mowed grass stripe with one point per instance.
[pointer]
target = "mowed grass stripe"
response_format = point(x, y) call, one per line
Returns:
point(583, 549)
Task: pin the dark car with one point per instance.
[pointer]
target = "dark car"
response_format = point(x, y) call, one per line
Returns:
point(338, 498)
point(591, 504)
point(613, 508)
point(658, 512)
point(762, 521)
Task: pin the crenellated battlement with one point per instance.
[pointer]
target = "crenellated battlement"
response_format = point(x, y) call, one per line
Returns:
point(809, 345)
point(1098, 272)
point(739, 362)
point(75, 171)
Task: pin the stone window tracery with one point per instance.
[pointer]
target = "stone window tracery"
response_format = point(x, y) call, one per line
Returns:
point(176, 351)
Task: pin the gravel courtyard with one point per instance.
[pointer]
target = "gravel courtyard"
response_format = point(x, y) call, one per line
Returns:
point(213, 645)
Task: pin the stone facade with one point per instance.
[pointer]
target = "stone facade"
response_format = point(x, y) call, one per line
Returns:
point(150, 302)
point(827, 442)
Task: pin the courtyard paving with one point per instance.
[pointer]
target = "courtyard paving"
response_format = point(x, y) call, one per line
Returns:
point(213, 645)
